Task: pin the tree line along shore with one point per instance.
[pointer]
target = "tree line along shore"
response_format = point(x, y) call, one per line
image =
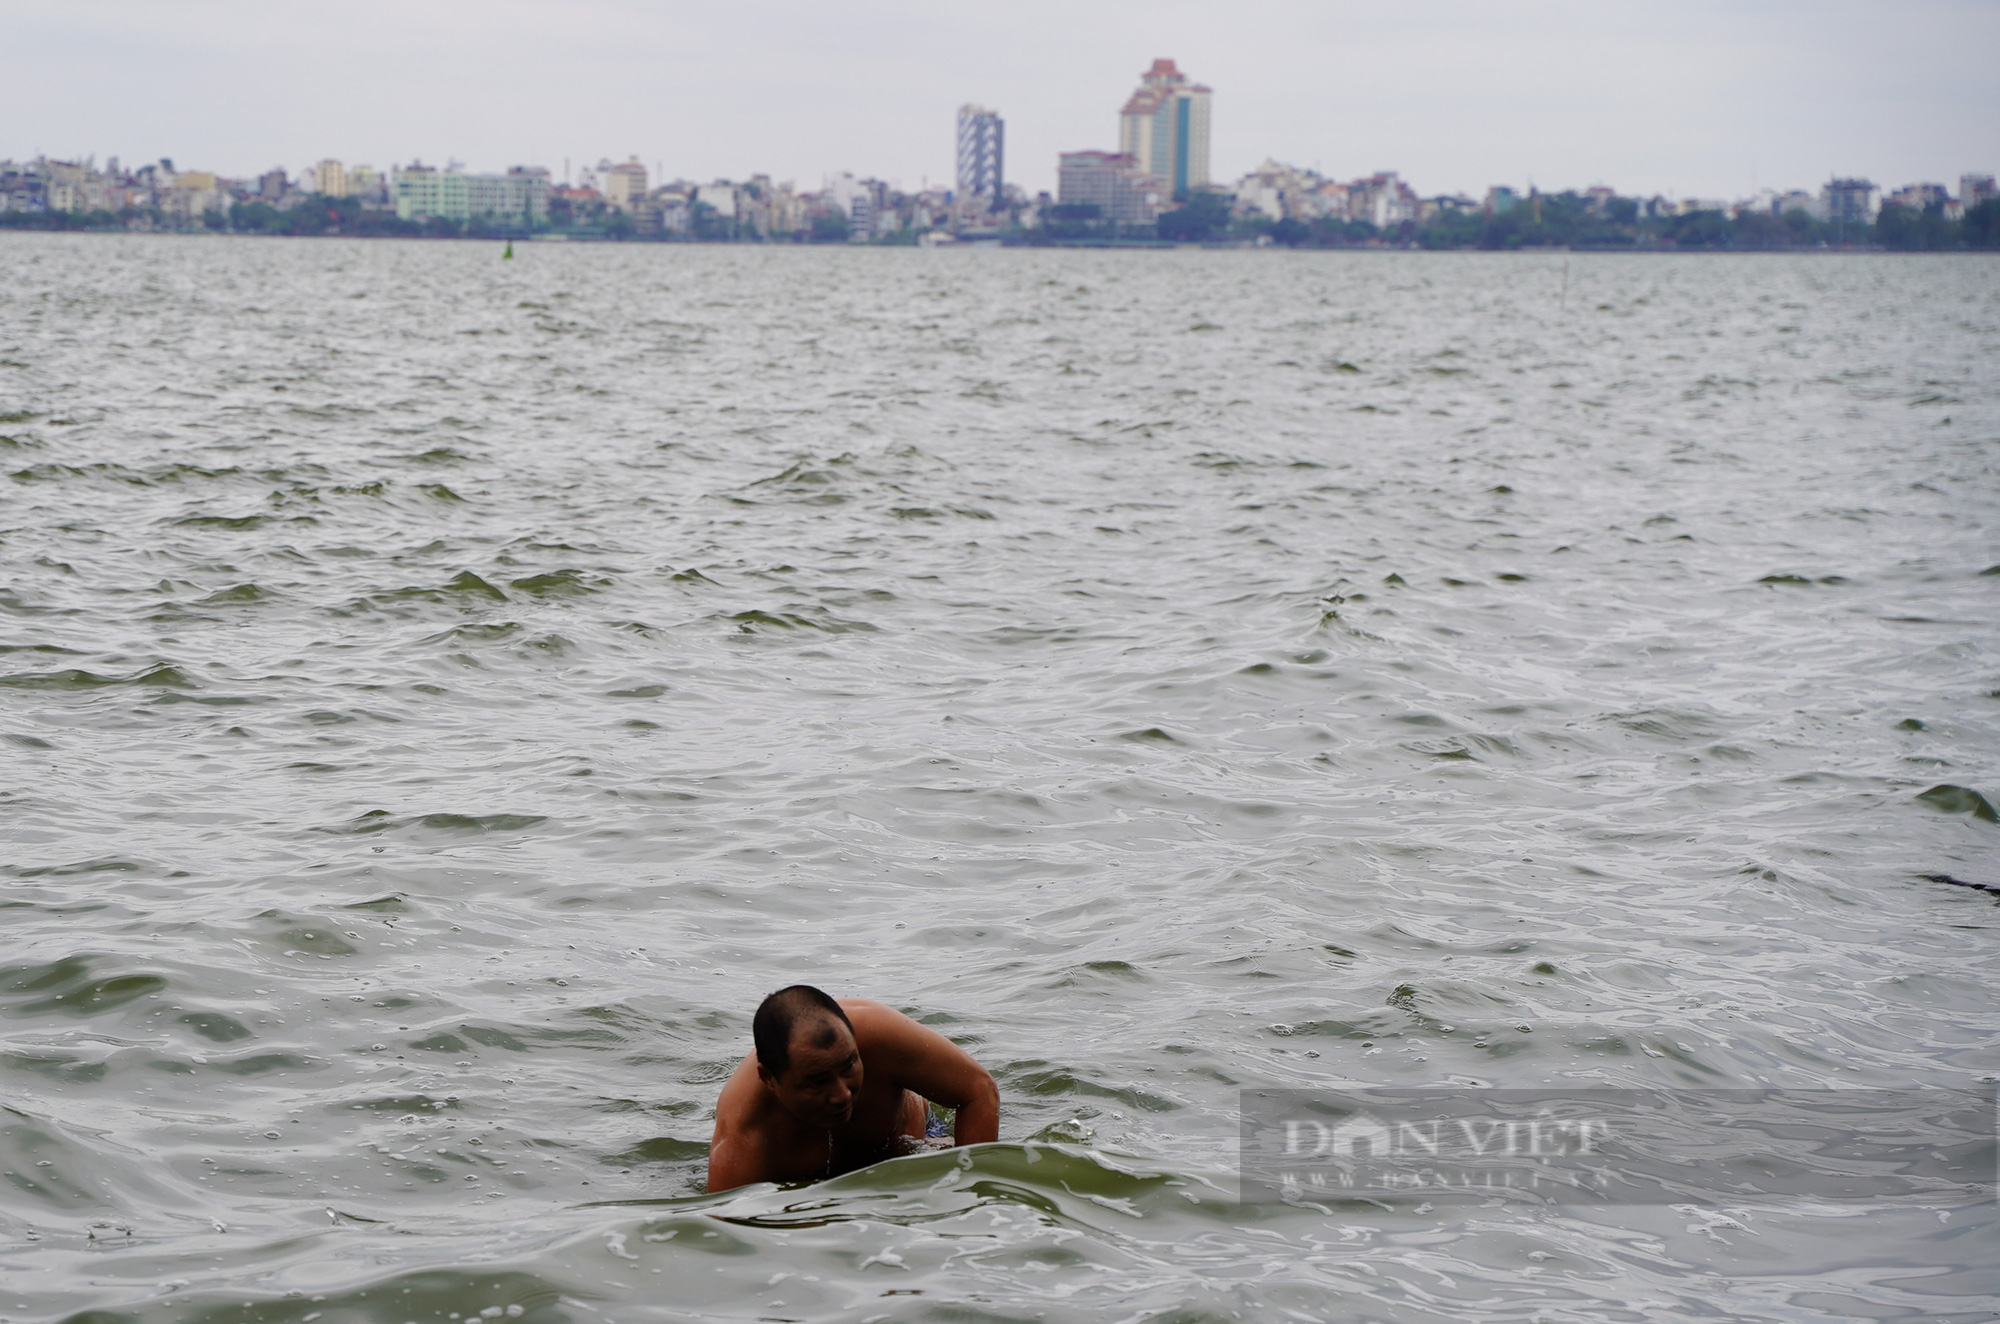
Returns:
point(1570, 221)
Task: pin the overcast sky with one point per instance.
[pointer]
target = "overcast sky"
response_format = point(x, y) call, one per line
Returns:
point(1684, 97)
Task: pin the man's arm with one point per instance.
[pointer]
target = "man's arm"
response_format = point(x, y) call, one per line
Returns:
point(734, 1157)
point(729, 1166)
point(923, 1060)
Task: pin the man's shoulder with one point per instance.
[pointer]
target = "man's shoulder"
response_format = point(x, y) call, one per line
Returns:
point(858, 1009)
point(876, 1024)
point(743, 1101)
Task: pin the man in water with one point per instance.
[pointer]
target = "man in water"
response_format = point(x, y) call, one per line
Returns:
point(835, 1086)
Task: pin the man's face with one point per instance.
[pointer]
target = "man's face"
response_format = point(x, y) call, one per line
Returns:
point(824, 1073)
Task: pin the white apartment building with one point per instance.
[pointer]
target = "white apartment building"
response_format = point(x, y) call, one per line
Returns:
point(720, 197)
point(521, 195)
point(1383, 200)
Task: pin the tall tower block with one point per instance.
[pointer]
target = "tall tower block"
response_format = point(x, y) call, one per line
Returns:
point(981, 151)
point(1165, 125)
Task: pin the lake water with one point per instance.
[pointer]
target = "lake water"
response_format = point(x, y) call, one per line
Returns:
point(441, 694)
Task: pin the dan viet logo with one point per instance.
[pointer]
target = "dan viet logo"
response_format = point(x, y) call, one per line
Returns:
point(1625, 1146)
point(1363, 1153)
point(1468, 1137)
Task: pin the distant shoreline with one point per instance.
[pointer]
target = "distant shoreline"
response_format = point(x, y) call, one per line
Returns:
point(1069, 245)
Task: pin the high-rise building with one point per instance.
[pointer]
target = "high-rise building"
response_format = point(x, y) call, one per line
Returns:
point(1119, 186)
point(1975, 189)
point(981, 148)
point(1165, 125)
point(1851, 201)
point(624, 185)
point(328, 179)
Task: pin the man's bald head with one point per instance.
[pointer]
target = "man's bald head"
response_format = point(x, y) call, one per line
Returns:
point(788, 1010)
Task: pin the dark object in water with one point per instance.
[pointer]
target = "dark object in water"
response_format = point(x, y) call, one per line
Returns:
point(1960, 800)
point(1960, 882)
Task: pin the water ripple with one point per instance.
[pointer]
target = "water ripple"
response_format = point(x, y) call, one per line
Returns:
point(440, 696)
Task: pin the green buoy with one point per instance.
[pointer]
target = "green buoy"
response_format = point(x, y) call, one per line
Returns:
point(510, 249)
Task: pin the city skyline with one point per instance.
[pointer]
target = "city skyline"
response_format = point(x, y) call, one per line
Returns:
point(1449, 93)
point(1104, 197)
point(1156, 187)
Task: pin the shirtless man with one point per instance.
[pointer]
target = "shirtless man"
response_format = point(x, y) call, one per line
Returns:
point(835, 1086)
